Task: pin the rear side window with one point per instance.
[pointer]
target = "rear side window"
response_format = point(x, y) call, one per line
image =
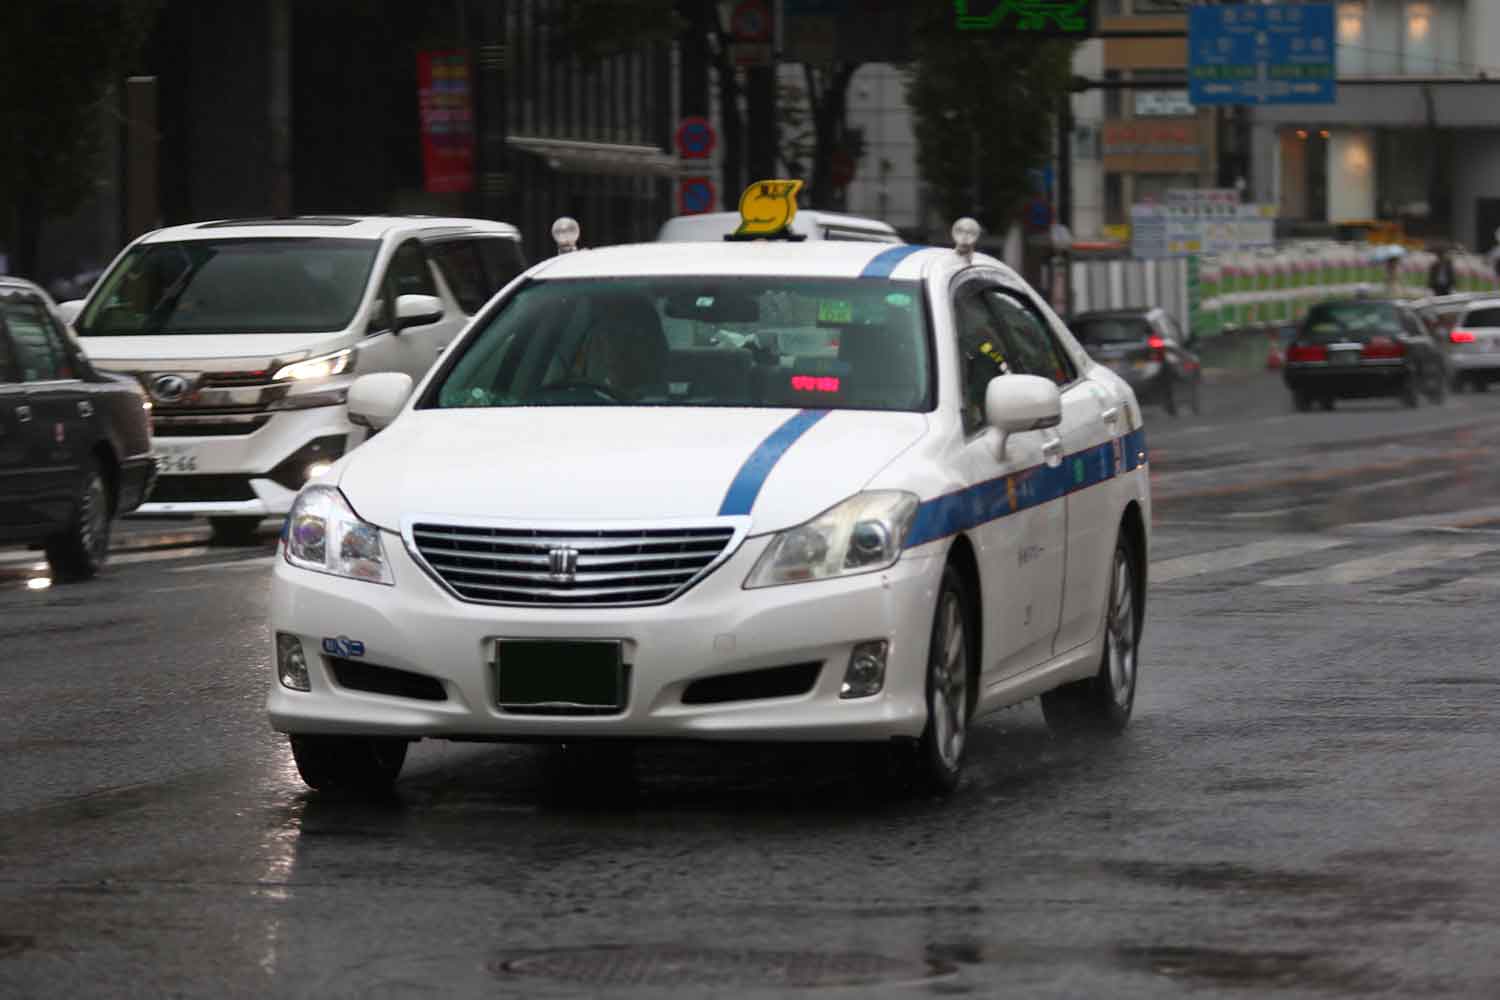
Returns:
point(502, 261)
point(1111, 330)
point(462, 269)
point(1488, 316)
point(8, 372)
point(40, 355)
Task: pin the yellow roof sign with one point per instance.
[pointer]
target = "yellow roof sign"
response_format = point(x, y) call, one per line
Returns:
point(767, 208)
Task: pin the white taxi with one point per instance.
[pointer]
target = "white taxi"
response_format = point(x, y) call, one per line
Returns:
point(744, 490)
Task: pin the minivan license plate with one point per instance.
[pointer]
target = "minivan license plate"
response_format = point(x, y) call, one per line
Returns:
point(176, 459)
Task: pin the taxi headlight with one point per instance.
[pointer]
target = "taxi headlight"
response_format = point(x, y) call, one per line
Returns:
point(323, 366)
point(324, 535)
point(861, 535)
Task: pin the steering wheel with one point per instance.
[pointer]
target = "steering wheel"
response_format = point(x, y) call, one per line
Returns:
point(599, 389)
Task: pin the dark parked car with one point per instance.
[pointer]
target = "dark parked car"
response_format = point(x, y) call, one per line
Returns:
point(75, 444)
point(1363, 348)
point(1148, 349)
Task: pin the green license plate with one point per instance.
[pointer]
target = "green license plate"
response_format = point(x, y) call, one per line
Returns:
point(560, 675)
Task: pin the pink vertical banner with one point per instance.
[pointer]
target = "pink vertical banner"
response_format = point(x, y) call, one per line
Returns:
point(447, 119)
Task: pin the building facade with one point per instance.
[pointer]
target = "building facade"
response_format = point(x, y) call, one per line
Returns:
point(1414, 140)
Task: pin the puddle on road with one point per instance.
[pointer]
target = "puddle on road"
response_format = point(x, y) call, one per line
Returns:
point(1247, 969)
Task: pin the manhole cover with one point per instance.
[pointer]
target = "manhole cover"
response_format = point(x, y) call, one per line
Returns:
point(689, 967)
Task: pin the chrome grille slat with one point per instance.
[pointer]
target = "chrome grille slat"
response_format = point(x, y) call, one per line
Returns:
point(613, 567)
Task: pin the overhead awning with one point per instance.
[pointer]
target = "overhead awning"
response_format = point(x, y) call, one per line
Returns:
point(574, 156)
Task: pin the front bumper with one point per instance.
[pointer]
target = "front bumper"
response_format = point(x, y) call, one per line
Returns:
point(715, 628)
point(247, 475)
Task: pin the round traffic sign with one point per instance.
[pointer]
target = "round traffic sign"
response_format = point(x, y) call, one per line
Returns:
point(696, 138)
point(696, 195)
point(751, 21)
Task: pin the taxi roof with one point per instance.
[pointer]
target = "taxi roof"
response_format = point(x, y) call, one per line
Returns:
point(356, 227)
point(809, 258)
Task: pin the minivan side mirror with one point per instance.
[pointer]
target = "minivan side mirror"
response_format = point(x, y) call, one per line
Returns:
point(377, 399)
point(70, 310)
point(1015, 403)
point(417, 310)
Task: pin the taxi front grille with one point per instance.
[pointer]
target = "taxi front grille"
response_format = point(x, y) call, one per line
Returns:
point(534, 567)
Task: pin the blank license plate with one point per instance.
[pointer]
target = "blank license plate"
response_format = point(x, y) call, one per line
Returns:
point(1344, 357)
point(556, 674)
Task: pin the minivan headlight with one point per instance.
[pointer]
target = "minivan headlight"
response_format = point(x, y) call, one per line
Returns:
point(322, 366)
point(861, 535)
point(324, 534)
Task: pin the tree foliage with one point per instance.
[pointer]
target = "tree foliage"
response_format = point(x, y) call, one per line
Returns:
point(983, 111)
point(59, 63)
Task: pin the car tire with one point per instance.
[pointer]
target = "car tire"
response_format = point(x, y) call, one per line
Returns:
point(1481, 384)
point(365, 765)
point(80, 550)
point(1101, 704)
point(1327, 403)
point(233, 531)
point(1195, 403)
point(1169, 398)
point(1437, 388)
point(1302, 402)
point(934, 763)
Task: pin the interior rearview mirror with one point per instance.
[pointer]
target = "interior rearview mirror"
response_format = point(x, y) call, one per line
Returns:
point(376, 399)
point(417, 310)
point(1016, 403)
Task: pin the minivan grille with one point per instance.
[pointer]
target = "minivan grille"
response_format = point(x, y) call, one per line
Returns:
point(611, 566)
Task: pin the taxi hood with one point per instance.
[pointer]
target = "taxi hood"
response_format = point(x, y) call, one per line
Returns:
point(627, 463)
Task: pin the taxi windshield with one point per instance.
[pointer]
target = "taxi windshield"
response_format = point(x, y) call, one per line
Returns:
point(300, 285)
point(826, 343)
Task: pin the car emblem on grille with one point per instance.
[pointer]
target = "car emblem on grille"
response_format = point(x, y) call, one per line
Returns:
point(169, 388)
point(562, 564)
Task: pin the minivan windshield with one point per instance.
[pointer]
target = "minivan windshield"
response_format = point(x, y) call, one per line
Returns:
point(698, 341)
point(293, 285)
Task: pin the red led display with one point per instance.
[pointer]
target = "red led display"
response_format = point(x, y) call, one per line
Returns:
point(815, 383)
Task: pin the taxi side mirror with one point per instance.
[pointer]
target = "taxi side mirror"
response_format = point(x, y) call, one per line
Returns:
point(68, 311)
point(377, 399)
point(1016, 403)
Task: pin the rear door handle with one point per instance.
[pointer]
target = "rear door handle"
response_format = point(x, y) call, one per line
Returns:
point(1111, 415)
point(23, 413)
point(1052, 451)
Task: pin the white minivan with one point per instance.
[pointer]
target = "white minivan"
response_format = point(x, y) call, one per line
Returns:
point(247, 333)
point(812, 225)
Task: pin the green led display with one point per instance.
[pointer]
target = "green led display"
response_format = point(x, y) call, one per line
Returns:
point(1072, 18)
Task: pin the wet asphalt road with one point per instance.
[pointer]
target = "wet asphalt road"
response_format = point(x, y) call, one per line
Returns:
point(1306, 804)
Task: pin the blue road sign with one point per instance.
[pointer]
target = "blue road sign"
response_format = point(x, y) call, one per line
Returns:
point(1262, 54)
point(695, 195)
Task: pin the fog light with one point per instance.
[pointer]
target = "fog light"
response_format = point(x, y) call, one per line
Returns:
point(291, 663)
point(865, 674)
point(317, 470)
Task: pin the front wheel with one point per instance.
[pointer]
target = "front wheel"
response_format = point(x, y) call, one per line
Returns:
point(1411, 392)
point(1302, 401)
point(1103, 703)
point(935, 762)
point(362, 764)
point(81, 548)
point(1437, 388)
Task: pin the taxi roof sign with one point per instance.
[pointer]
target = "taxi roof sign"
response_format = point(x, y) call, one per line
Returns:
point(767, 209)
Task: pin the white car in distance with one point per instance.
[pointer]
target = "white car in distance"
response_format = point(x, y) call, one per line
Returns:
point(899, 497)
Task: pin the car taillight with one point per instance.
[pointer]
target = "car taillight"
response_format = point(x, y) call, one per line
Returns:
point(1158, 347)
point(1307, 352)
point(1383, 347)
point(1461, 337)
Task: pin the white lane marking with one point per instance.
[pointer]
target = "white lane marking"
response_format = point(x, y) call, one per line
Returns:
point(231, 565)
point(1238, 557)
point(1386, 564)
point(1273, 512)
point(177, 590)
point(1479, 583)
point(1418, 522)
point(1377, 487)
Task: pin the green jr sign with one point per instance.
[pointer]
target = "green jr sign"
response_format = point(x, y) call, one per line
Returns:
point(1066, 18)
